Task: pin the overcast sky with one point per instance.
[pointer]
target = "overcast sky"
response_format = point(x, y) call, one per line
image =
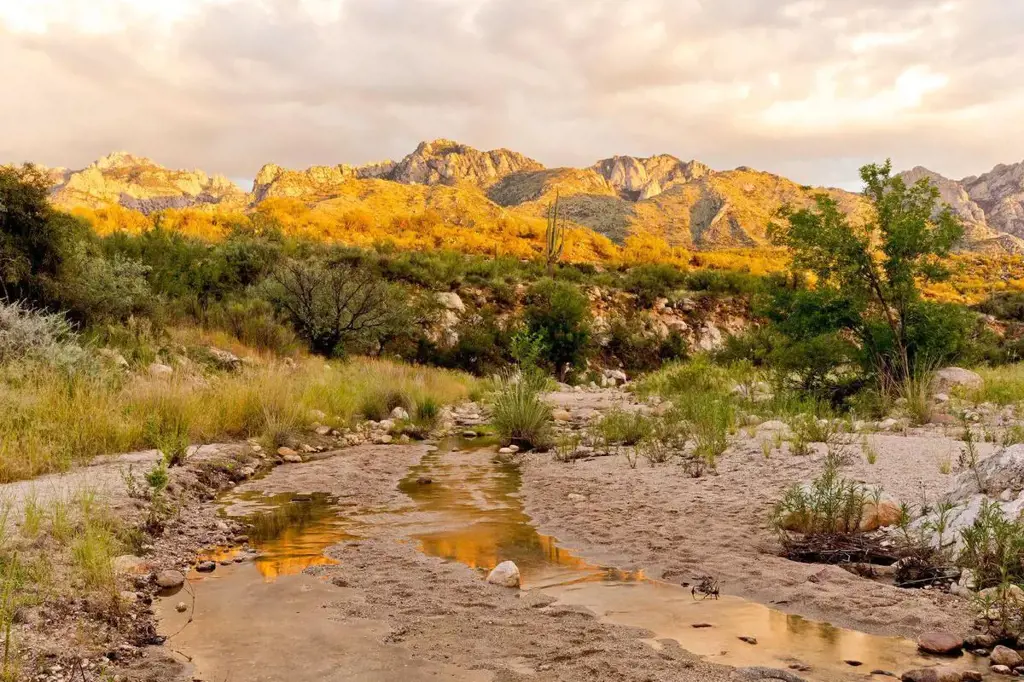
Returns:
point(807, 88)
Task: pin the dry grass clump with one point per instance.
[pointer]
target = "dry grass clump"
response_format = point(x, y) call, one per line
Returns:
point(51, 419)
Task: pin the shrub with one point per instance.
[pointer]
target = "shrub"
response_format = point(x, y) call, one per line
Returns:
point(651, 282)
point(993, 547)
point(831, 504)
point(559, 314)
point(520, 417)
point(32, 334)
point(624, 427)
point(638, 348)
point(335, 305)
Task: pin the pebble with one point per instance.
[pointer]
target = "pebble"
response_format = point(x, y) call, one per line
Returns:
point(749, 640)
point(181, 607)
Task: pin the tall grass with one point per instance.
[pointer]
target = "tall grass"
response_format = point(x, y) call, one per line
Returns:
point(520, 416)
point(51, 419)
point(1003, 385)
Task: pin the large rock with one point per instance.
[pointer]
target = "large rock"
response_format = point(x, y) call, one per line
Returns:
point(160, 371)
point(1002, 655)
point(449, 300)
point(941, 643)
point(882, 515)
point(505, 574)
point(939, 674)
point(950, 378)
point(169, 580)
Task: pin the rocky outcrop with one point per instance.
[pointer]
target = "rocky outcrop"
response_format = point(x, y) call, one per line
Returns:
point(637, 179)
point(139, 184)
point(980, 232)
point(446, 162)
point(1000, 193)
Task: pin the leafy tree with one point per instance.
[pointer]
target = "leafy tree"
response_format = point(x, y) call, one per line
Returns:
point(870, 271)
point(36, 241)
point(559, 315)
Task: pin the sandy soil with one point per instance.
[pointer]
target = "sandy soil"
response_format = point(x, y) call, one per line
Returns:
point(680, 528)
point(388, 601)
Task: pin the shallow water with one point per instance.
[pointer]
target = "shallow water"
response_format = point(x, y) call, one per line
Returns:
point(470, 512)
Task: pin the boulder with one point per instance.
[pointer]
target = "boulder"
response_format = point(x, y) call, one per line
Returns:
point(1001, 670)
point(941, 643)
point(206, 567)
point(128, 564)
point(882, 515)
point(169, 580)
point(1002, 655)
point(400, 413)
point(940, 674)
point(224, 359)
point(159, 371)
point(449, 300)
point(949, 378)
point(505, 574)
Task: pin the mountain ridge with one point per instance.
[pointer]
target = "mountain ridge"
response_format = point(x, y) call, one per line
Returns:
point(685, 203)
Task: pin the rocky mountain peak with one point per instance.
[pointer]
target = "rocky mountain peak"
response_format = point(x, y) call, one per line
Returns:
point(121, 159)
point(642, 178)
point(447, 162)
point(1000, 192)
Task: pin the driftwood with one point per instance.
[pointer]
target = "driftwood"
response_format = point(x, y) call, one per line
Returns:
point(838, 549)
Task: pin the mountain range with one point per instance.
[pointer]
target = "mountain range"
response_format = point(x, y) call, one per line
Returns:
point(686, 203)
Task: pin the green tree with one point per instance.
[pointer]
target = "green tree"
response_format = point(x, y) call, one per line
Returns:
point(558, 314)
point(869, 271)
point(36, 241)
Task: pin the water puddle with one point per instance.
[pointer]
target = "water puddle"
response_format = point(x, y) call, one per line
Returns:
point(289, 531)
point(466, 508)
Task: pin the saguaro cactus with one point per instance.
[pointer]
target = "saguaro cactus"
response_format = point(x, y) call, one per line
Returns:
point(554, 237)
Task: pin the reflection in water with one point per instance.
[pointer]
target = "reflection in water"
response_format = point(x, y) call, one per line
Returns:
point(470, 512)
point(483, 523)
point(293, 533)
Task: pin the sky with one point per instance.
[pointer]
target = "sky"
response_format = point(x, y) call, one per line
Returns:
point(810, 89)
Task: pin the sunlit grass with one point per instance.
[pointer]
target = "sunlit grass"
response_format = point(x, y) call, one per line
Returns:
point(50, 420)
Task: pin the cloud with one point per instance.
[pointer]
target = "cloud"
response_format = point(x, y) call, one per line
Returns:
point(808, 88)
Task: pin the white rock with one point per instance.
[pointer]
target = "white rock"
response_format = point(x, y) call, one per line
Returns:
point(158, 371)
point(399, 413)
point(505, 574)
point(449, 300)
point(506, 451)
point(576, 497)
point(956, 377)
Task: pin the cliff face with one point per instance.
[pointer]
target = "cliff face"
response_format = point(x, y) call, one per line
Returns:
point(1000, 193)
point(684, 202)
point(138, 183)
point(989, 227)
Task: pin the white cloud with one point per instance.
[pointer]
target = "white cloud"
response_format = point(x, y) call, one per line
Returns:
point(809, 88)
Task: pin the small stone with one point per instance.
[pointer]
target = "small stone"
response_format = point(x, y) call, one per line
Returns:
point(700, 626)
point(853, 663)
point(576, 497)
point(505, 574)
point(400, 414)
point(749, 640)
point(940, 674)
point(169, 579)
point(561, 415)
point(323, 430)
point(181, 607)
point(206, 567)
point(469, 434)
point(1002, 655)
point(1001, 670)
point(424, 480)
point(386, 439)
point(941, 643)
point(506, 451)
point(971, 676)
point(513, 448)
point(883, 673)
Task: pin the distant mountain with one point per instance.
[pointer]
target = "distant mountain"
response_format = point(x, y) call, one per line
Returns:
point(686, 203)
point(986, 205)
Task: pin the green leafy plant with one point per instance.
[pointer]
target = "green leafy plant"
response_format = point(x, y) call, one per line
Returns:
point(519, 415)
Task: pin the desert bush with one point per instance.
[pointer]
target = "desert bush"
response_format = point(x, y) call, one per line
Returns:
point(651, 282)
point(26, 333)
point(335, 305)
point(625, 427)
point(520, 416)
point(993, 547)
point(106, 289)
point(559, 314)
point(632, 342)
point(830, 505)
